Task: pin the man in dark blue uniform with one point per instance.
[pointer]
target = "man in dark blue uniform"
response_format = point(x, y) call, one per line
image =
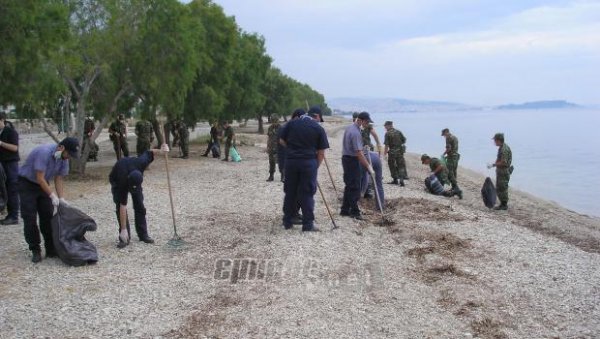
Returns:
point(281, 149)
point(126, 177)
point(9, 159)
point(353, 160)
point(305, 141)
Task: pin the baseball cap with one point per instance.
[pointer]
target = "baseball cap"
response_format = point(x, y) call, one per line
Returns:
point(364, 116)
point(315, 112)
point(388, 123)
point(71, 145)
point(424, 157)
point(499, 136)
point(445, 130)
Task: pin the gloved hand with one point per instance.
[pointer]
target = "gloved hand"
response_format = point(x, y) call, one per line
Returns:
point(63, 201)
point(371, 170)
point(55, 203)
point(490, 165)
point(165, 148)
point(55, 200)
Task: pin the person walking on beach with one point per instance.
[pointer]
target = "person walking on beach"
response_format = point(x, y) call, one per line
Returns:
point(394, 142)
point(44, 164)
point(126, 178)
point(89, 126)
point(118, 135)
point(145, 136)
point(272, 146)
point(353, 162)
point(229, 136)
point(452, 157)
point(305, 141)
point(504, 170)
point(9, 159)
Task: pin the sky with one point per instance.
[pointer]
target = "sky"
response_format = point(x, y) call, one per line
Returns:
point(481, 52)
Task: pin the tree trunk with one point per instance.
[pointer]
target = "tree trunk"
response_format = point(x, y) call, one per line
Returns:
point(261, 128)
point(158, 131)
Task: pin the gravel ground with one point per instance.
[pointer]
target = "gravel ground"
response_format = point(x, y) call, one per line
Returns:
point(444, 268)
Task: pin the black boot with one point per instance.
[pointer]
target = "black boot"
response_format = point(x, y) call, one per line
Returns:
point(503, 206)
point(271, 177)
point(36, 256)
point(457, 191)
point(401, 182)
point(394, 182)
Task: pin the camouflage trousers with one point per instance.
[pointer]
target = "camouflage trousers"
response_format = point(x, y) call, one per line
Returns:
point(227, 148)
point(184, 146)
point(502, 179)
point(273, 162)
point(397, 165)
point(124, 147)
point(452, 165)
point(87, 143)
point(142, 145)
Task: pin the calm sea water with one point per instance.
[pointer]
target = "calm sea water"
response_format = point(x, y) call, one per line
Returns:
point(556, 153)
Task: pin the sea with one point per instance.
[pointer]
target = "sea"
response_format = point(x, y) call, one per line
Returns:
point(556, 152)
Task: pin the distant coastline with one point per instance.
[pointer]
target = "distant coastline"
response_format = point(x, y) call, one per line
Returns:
point(547, 104)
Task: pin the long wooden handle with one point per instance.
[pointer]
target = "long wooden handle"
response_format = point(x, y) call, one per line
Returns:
point(169, 186)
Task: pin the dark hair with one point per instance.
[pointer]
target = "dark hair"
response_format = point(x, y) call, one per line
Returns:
point(3, 116)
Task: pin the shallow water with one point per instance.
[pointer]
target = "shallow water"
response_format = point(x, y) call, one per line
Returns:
point(556, 153)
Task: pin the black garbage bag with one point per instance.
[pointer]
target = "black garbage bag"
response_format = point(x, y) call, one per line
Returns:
point(434, 186)
point(68, 233)
point(488, 193)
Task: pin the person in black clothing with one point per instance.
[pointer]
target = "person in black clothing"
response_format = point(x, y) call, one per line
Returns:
point(305, 141)
point(126, 177)
point(9, 159)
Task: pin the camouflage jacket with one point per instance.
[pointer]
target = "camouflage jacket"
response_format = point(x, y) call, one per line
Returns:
point(144, 130)
point(228, 134)
point(451, 145)
point(504, 156)
point(183, 130)
point(89, 126)
point(273, 134)
point(117, 128)
point(443, 174)
point(395, 141)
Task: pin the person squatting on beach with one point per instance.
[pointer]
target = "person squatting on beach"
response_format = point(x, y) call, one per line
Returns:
point(126, 178)
point(9, 159)
point(440, 171)
point(305, 141)
point(353, 160)
point(395, 148)
point(44, 164)
point(504, 170)
point(452, 158)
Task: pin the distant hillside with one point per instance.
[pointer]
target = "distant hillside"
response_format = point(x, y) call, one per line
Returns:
point(391, 105)
point(549, 104)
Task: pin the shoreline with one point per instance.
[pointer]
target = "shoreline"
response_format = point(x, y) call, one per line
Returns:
point(444, 267)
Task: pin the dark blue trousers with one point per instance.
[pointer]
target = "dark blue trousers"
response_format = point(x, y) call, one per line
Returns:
point(141, 227)
point(300, 187)
point(352, 180)
point(35, 202)
point(11, 169)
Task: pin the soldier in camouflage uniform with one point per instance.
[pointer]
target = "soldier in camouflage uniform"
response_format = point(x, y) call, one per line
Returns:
point(175, 132)
point(439, 169)
point(273, 146)
point(118, 135)
point(184, 139)
point(452, 158)
point(229, 136)
point(504, 169)
point(89, 127)
point(394, 142)
point(145, 136)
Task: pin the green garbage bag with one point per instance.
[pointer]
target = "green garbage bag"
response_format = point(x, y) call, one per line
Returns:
point(234, 155)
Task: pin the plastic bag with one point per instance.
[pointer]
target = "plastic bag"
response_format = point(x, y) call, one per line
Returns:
point(68, 234)
point(235, 156)
point(488, 193)
point(434, 185)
